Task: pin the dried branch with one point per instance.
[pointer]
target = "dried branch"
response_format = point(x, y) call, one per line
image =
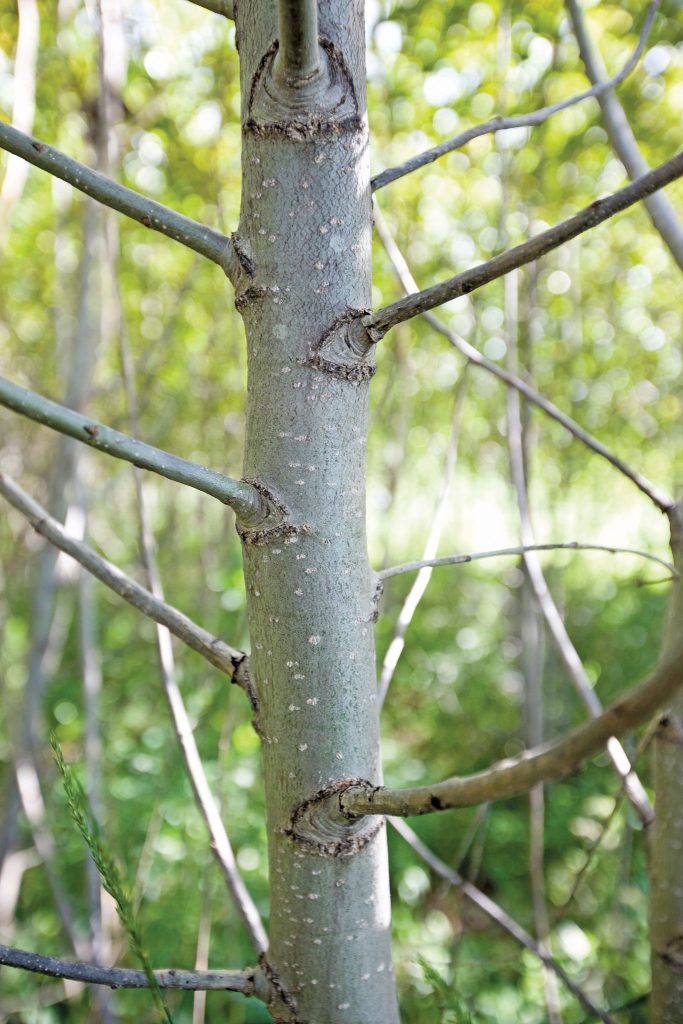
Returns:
point(546, 763)
point(250, 982)
point(247, 502)
point(495, 912)
point(377, 324)
point(531, 120)
point(398, 570)
point(216, 651)
point(204, 240)
point(621, 136)
point(660, 498)
point(224, 7)
point(416, 592)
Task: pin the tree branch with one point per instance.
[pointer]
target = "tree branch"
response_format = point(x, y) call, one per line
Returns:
point(399, 570)
point(531, 120)
point(621, 136)
point(377, 324)
point(494, 912)
point(546, 763)
point(660, 498)
point(224, 7)
point(216, 651)
point(247, 502)
point(204, 240)
point(298, 56)
point(250, 982)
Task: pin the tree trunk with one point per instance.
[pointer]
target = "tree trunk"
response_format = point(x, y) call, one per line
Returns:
point(304, 246)
point(666, 886)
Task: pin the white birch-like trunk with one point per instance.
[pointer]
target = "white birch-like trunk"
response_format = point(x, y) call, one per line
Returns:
point(305, 246)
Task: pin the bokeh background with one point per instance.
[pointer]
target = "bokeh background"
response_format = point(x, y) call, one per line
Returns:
point(599, 328)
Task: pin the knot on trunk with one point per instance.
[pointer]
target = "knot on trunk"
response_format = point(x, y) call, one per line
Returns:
point(273, 525)
point(344, 350)
point(323, 105)
point(321, 825)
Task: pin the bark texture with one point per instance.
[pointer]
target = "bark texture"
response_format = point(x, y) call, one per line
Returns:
point(304, 246)
point(666, 885)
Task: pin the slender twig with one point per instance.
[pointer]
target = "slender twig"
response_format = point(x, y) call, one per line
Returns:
point(555, 622)
point(204, 240)
point(416, 592)
point(531, 120)
point(250, 982)
point(660, 498)
point(377, 324)
point(242, 497)
point(298, 56)
point(224, 7)
point(515, 775)
point(398, 570)
point(495, 912)
point(621, 135)
point(216, 651)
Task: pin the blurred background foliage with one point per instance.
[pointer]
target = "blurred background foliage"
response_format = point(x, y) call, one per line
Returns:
point(603, 319)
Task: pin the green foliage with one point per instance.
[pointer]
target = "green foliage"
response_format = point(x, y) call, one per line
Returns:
point(109, 871)
point(450, 1008)
point(603, 343)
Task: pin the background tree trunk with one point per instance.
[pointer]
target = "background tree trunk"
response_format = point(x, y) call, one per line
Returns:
point(666, 881)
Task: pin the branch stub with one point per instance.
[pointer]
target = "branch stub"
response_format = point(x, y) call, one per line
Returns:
point(322, 826)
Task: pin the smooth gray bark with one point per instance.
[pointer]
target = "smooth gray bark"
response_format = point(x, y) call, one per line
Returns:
point(304, 239)
point(666, 882)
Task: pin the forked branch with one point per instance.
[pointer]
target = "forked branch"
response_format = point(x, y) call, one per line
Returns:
point(216, 651)
point(531, 120)
point(204, 240)
point(247, 502)
point(546, 763)
point(250, 982)
point(377, 324)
